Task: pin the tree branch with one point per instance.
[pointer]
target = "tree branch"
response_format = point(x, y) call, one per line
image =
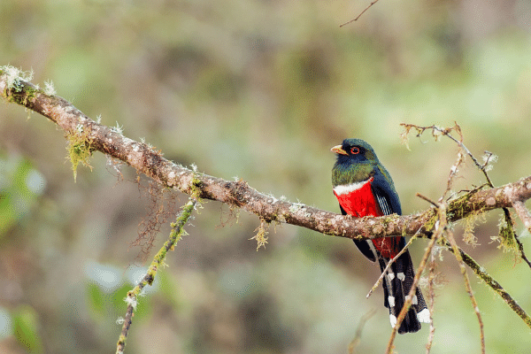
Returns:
point(150, 162)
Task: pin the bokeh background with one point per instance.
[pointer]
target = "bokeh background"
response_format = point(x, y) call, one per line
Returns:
point(258, 90)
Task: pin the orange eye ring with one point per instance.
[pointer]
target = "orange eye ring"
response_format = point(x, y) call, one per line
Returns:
point(355, 150)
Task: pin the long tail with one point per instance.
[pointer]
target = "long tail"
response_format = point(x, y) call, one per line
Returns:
point(397, 284)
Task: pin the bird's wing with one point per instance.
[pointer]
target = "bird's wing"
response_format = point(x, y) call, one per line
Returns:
point(385, 196)
point(384, 191)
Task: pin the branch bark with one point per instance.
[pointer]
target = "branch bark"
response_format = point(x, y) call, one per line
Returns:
point(150, 162)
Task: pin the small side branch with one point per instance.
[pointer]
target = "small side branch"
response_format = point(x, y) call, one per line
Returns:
point(361, 13)
point(493, 284)
point(431, 302)
point(132, 296)
point(466, 279)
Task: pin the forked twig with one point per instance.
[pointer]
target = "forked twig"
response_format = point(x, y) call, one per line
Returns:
point(482, 167)
point(446, 132)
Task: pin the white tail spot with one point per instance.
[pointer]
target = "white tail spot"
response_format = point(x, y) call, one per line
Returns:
point(391, 300)
point(401, 276)
point(424, 316)
point(390, 276)
point(392, 319)
point(415, 300)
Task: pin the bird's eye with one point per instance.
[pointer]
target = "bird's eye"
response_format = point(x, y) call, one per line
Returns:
point(355, 150)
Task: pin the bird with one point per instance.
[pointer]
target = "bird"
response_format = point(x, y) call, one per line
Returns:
point(363, 187)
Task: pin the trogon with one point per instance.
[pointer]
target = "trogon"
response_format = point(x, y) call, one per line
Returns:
point(363, 187)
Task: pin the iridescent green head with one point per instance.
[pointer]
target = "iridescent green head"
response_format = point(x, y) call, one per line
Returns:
point(356, 162)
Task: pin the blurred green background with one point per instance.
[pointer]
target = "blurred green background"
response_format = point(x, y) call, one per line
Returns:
point(259, 90)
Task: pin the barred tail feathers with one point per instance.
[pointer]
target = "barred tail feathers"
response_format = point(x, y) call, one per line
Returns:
point(397, 284)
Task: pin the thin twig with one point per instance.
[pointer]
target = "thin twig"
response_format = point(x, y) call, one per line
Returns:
point(435, 204)
point(431, 302)
point(525, 216)
point(451, 176)
point(357, 337)
point(132, 296)
point(453, 172)
point(440, 227)
point(461, 263)
point(361, 13)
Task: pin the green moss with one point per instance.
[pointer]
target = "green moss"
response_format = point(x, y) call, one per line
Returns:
point(20, 91)
point(79, 151)
point(388, 219)
point(430, 224)
point(506, 236)
point(30, 93)
point(196, 186)
point(459, 207)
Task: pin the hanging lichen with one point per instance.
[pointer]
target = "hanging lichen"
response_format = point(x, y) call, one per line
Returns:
point(79, 150)
point(506, 236)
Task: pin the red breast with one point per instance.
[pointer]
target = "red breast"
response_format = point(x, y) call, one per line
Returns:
point(358, 200)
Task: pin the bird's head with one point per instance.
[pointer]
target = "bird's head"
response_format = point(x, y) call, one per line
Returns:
point(354, 151)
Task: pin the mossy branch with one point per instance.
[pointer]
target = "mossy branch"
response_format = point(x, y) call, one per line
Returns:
point(493, 284)
point(176, 233)
point(239, 194)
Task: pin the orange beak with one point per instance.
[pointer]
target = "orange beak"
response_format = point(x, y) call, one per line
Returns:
point(338, 150)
